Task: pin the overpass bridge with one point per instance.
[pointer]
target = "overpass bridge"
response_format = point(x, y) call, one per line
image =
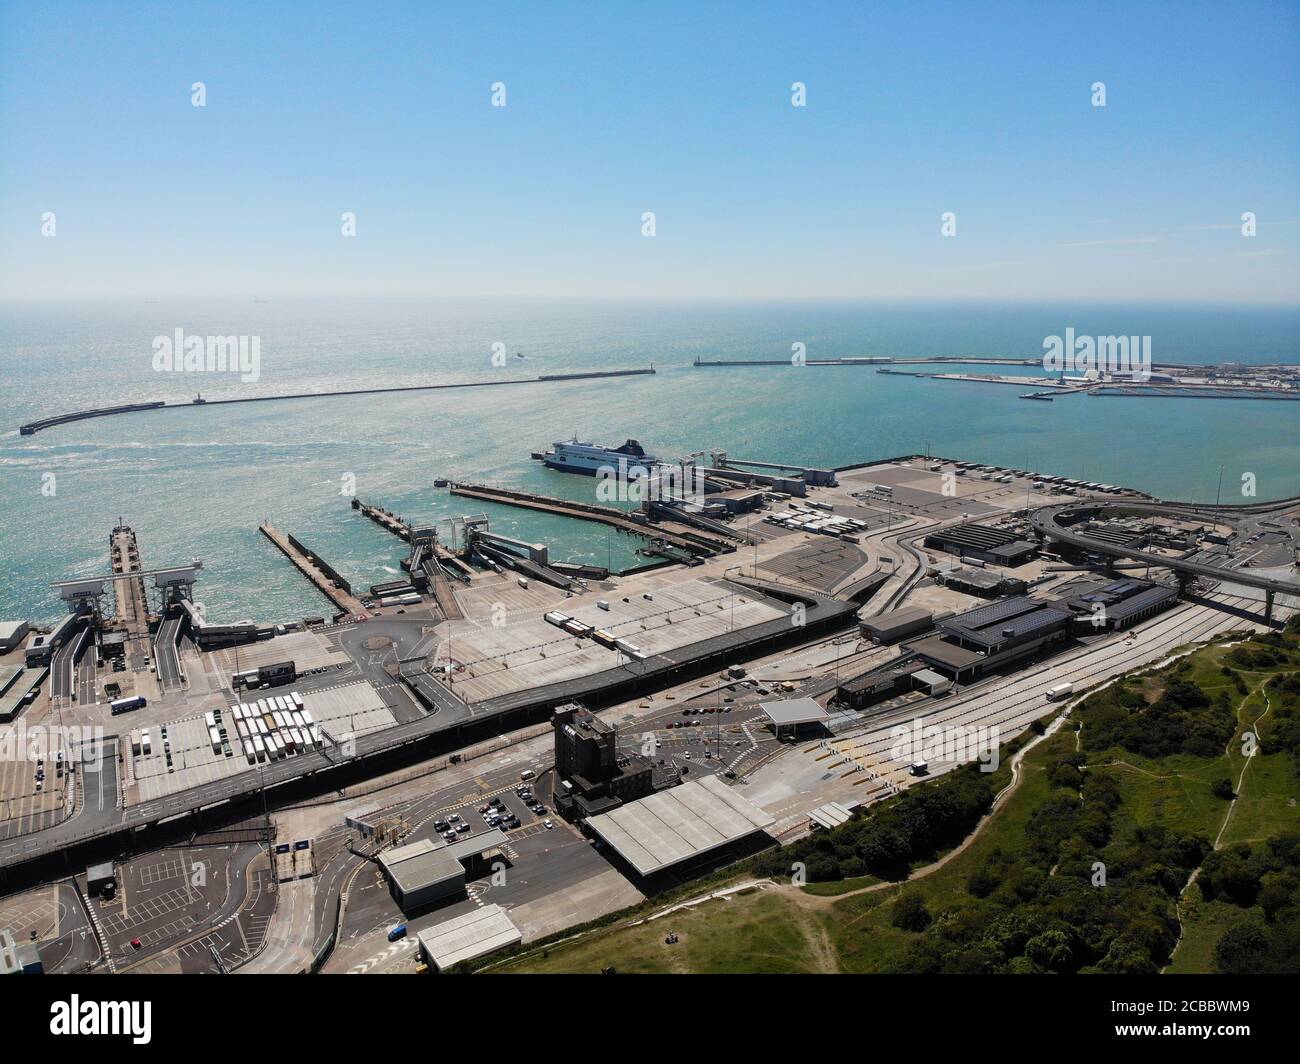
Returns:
point(1044, 523)
point(450, 724)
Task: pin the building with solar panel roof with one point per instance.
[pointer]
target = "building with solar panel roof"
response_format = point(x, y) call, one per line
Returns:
point(990, 637)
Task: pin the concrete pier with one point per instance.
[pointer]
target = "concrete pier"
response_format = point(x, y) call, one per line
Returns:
point(434, 570)
point(316, 569)
point(129, 597)
point(385, 519)
point(33, 427)
point(606, 515)
point(869, 360)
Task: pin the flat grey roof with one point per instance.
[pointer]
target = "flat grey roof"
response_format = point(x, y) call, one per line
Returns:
point(8, 674)
point(794, 711)
point(831, 815)
point(937, 649)
point(1152, 596)
point(473, 845)
point(420, 864)
point(683, 822)
point(465, 937)
point(404, 853)
point(902, 615)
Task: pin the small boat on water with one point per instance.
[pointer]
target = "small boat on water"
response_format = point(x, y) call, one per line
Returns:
point(1045, 396)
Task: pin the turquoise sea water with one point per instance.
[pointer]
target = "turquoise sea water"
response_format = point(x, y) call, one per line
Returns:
point(196, 482)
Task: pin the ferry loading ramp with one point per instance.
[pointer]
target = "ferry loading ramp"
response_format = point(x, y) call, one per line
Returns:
point(452, 722)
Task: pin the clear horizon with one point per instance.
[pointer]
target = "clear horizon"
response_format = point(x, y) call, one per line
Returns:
point(388, 113)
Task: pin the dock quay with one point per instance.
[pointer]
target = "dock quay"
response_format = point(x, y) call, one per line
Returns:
point(390, 522)
point(328, 582)
point(432, 568)
point(129, 597)
point(1193, 391)
point(199, 403)
point(440, 585)
point(33, 427)
point(684, 539)
point(1040, 383)
point(385, 519)
point(870, 360)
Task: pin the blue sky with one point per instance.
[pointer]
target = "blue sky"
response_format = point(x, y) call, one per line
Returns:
point(618, 108)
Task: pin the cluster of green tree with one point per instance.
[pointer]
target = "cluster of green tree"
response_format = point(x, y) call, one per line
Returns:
point(1265, 651)
point(1236, 679)
point(1264, 881)
point(1074, 898)
point(919, 823)
point(1183, 720)
point(1283, 726)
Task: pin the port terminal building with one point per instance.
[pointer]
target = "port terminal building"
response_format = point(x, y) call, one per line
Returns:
point(791, 717)
point(681, 828)
point(1121, 604)
point(991, 637)
point(996, 546)
point(12, 633)
point(421, 873)
point(893, 625)
point(593, 777)
point(468, 937)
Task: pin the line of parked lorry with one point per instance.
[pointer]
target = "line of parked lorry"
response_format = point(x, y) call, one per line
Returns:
point(814, 517)
point(273, 728)
point(1040, 481)
point(602, 636)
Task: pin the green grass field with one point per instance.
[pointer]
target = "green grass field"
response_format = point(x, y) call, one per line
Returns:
point(846, 925)
point(756, 932)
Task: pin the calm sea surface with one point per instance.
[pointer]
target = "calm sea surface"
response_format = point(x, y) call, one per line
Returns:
point(195, 482)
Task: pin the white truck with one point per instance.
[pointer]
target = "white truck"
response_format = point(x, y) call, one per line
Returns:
point(1061, 690)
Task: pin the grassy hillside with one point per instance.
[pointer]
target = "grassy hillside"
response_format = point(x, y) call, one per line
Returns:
point(1084, 867)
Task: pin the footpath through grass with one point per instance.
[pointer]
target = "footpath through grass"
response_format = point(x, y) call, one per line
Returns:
point(1084, 867)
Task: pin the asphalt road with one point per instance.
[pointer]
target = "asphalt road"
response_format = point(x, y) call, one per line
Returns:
point(166, 658)
point(63, 671)
point(76, 947)
point(1044, 521)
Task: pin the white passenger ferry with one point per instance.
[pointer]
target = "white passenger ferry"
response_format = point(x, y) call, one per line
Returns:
point(574, 456)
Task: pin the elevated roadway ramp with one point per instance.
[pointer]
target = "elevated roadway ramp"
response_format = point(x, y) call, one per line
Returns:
point(1044, 522)
point(167, 654)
